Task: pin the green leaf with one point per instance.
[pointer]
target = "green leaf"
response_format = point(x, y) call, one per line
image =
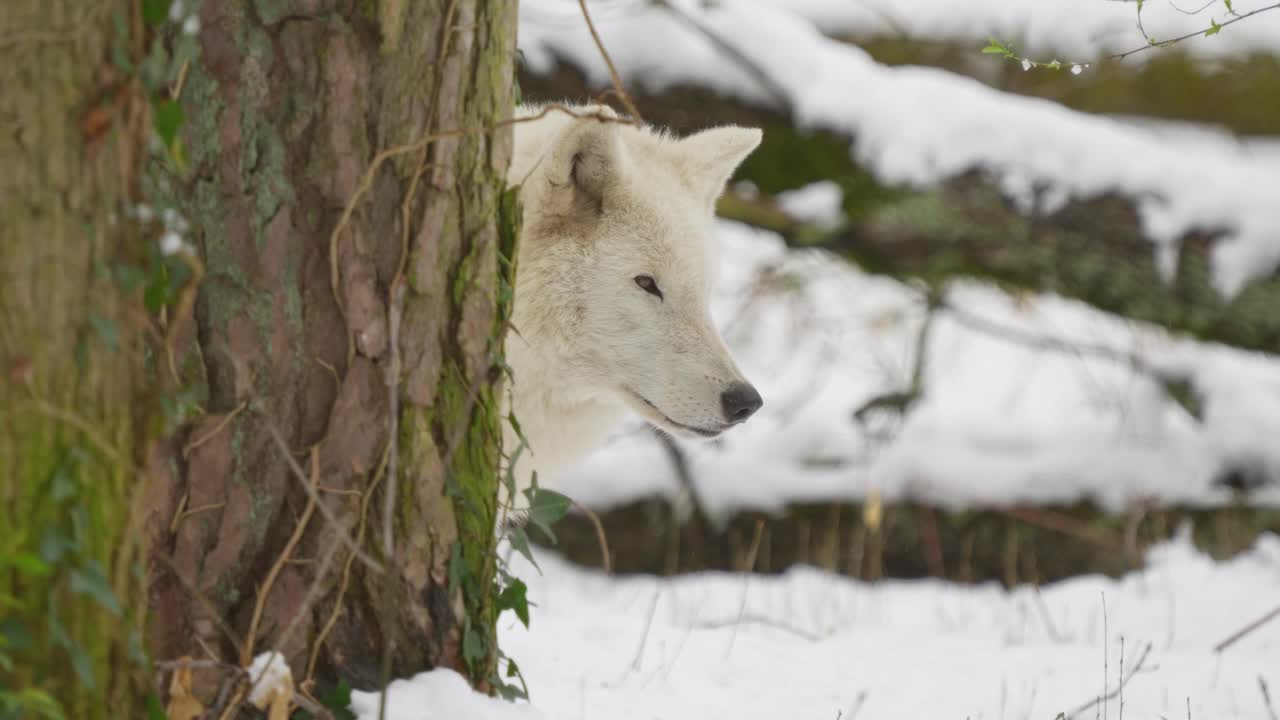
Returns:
point(509, 477)
point(472, 645)
point(155, 11)
point(129, 278)
point(54, 544)
point(337, 701)
point(155, 711)
point(28, 564)
point(515, 597)
point(520, 541)
point(1229, 8)
point(92, 581)
point(457, 567)
point(79, 660)
point(994, 47)
point(159, 292)
point(546, 507)
point(515, 426)
point(168, 118)
point(1214, 29)
point(14, 634)
point(106, 329)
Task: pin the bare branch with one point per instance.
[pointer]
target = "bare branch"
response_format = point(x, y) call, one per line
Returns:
point(1237, 635)
point(753, 68)
point(613, 71)
point(1118, 689)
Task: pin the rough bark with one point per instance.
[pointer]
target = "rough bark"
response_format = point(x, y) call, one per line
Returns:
point(289, 106)
point(74, 420)
point(1093, 249)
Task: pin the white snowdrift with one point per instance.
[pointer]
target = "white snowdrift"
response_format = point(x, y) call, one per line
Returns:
point(811, 645)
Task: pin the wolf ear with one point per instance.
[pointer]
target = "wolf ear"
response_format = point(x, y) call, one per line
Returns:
point(711, 156)
point(587, 158)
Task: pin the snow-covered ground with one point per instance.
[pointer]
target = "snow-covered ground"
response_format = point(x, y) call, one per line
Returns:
point(1000, 421)
point(917, 125)
point(811, 645)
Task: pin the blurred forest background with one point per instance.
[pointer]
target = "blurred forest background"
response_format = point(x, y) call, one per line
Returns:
point(1018, 257)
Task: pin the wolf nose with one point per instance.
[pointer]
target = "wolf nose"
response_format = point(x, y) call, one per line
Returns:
point(740, 402)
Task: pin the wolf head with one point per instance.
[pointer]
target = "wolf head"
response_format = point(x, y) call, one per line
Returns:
point(617, 264)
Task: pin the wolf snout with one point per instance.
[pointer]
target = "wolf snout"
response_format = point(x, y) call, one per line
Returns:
point(740, 402)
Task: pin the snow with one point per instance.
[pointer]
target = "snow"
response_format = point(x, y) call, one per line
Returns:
point(818, 203)
point(917, 126)
point(999, 423)
point(808, 644)
point(1077, 31)
point(270, 676)
point(437, 695)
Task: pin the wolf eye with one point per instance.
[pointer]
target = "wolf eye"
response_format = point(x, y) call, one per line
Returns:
point(649, 285)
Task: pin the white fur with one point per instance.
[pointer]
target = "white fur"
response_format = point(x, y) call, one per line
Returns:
point(605, 202)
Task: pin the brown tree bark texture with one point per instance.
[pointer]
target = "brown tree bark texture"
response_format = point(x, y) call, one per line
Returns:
point(287, 108)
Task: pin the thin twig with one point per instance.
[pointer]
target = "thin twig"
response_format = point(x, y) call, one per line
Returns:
point(746, 582)
point(755, 619)
point(346, 569)
point(605, 562)
point(1153, 43)
point(246, 655)
point(1119, 688)
point(1266, 699)
point(186, 449)
point(324, 508)
point(1052, 629)
point(613, 70)
point(195, 592)
point(393, 390)
point(1237, 635)
point(648, 623)
point(753, 68)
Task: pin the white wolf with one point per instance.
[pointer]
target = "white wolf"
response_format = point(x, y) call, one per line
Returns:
point(616, 264)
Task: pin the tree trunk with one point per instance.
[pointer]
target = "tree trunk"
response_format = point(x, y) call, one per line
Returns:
point(1093, 249)
point(75, 422)
point(313, 199)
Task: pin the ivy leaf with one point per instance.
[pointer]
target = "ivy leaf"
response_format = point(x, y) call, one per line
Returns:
point(457, 568)
point(520, 541)
point(29, 564)
point(54, 544)
point(515, 597)
point(155, 11)
point(472, 645)
point(92, 581)
point(168, 118)
point(106, 329)
point(546, 507)
point(994, 48)
point(79, 659)
point(509, 477)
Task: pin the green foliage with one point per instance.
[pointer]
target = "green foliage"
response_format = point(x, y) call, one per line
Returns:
point(70, 583)
point(337, 701)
